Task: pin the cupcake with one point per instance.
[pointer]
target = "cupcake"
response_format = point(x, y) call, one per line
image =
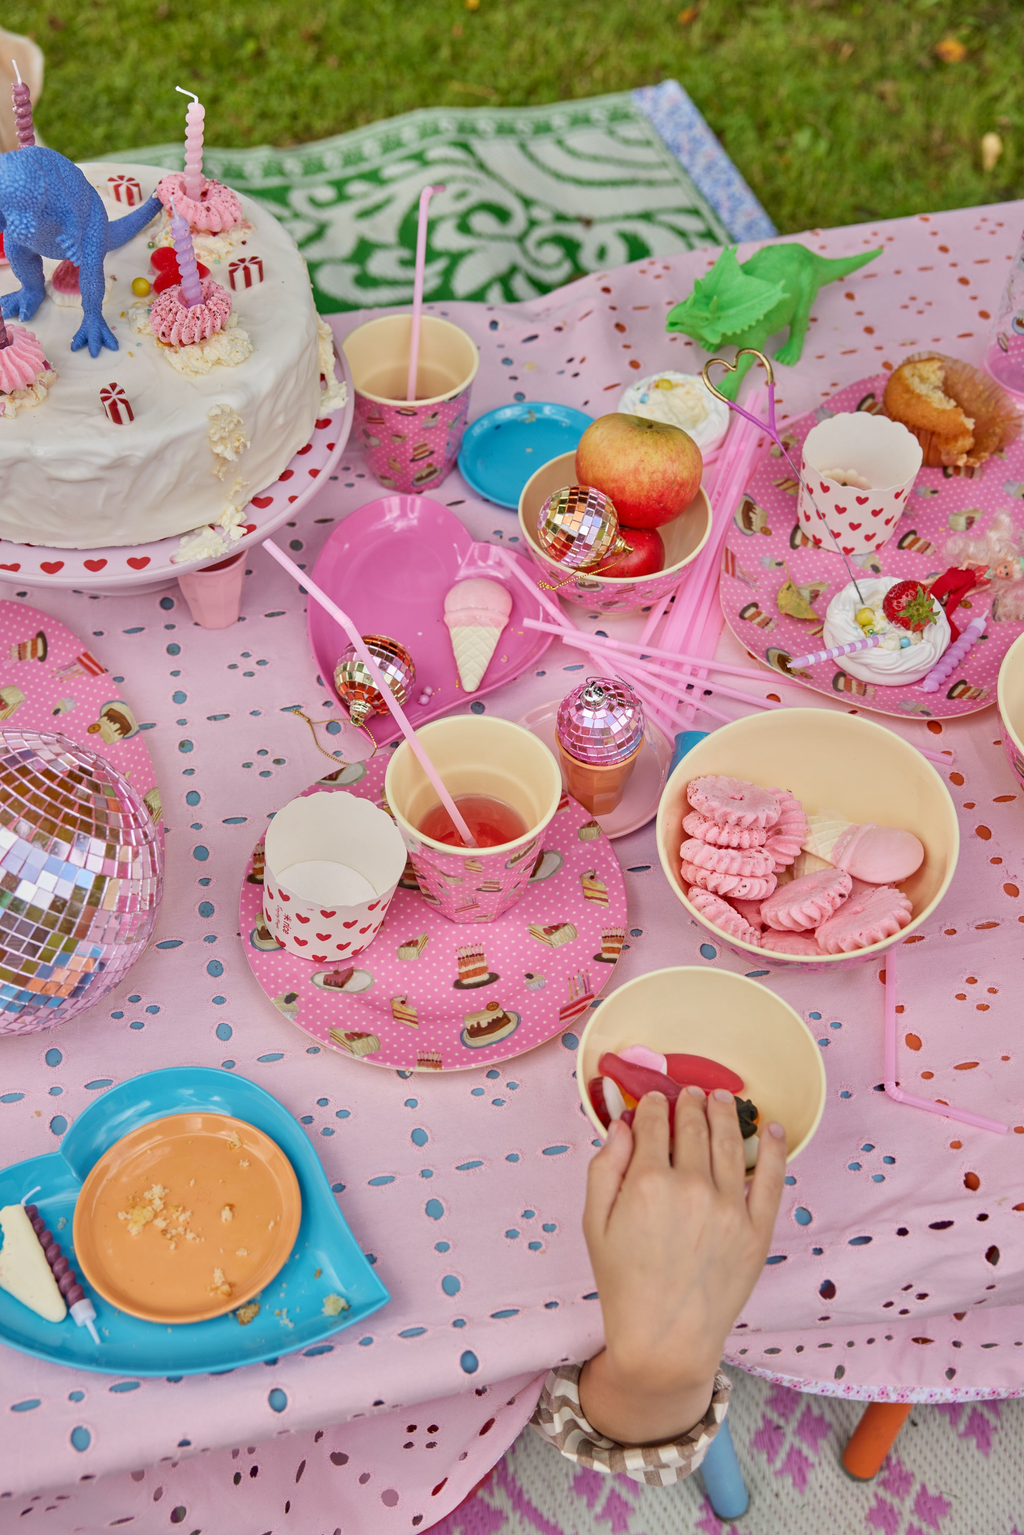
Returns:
point(958, 414)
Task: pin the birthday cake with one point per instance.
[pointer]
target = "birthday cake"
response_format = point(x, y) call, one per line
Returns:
point(175, 432)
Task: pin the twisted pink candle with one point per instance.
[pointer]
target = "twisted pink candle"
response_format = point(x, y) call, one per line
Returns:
point(191, 288)
point(194, 119)
point(23, 111)
point(956, 652)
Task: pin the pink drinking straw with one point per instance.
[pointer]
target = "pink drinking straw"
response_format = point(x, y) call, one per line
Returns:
point(417, 290)
point(896, 1093)
point(389, 698)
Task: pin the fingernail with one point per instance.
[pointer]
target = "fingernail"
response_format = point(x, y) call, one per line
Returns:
point(777, 1130)
point(656, 1097)
point(614, 1129)
point(697, 1092)
point(722, 1095)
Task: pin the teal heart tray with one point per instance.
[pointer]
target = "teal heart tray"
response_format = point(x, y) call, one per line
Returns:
point(132, 1347)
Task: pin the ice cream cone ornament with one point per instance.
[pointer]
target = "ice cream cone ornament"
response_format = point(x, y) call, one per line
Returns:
point(476, 612)
point(356, 688)
point(578, 527)
point(773, 432)
point(881, 855)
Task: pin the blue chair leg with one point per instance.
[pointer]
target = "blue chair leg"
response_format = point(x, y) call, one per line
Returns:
point(722, 1477)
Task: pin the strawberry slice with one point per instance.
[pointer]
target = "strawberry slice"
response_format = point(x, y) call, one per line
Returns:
point(909, 606)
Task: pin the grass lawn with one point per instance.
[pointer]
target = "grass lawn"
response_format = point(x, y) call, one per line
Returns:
point(834, 110)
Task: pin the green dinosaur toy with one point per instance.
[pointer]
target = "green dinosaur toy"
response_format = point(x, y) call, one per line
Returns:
point(744, 305)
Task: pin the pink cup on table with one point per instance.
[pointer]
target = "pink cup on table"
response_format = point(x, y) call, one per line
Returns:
point(410, 445)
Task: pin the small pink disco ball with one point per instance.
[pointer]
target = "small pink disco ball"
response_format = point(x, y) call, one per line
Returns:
point(81, 875)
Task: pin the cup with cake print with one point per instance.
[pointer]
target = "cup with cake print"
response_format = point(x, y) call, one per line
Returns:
point(482, 761)
point(332, 864)
point(410, 445)
point(857, 470)
point(1010, 697)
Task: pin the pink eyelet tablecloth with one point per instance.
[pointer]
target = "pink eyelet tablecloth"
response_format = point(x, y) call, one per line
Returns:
point(897, 1267)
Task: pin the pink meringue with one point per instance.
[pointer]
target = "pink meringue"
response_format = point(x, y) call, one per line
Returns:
point(217, 209)
point(22, 361)
point(176, 325)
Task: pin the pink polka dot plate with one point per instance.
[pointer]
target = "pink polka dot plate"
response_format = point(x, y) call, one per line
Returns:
point(766, 547)
point(435, 995)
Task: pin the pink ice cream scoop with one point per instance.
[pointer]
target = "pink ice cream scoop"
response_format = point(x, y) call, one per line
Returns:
point(881, 855)
point(476, 611)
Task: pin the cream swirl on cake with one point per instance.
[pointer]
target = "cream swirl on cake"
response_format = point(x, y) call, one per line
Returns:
point(888, 663)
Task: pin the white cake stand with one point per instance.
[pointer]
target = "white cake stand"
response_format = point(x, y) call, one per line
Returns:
point(149, 567)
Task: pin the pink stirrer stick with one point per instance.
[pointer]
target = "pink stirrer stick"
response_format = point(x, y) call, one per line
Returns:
point(896, 1093)
point(389, 698)
point(417, 290)
point(658, 653)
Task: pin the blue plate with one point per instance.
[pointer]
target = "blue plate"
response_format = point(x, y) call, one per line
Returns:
point(501, 450)
point(132, 1347)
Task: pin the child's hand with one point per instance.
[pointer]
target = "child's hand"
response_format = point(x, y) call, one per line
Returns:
point(677, 1247)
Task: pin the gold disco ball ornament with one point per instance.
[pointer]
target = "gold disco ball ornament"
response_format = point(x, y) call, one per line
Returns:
point(357, 689)
point(81, 875)
point(578, 527)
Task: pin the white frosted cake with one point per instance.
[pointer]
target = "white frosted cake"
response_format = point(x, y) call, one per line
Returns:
point(211, 425)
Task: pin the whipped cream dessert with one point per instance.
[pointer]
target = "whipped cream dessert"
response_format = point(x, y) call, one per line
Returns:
point(681, 399)
point(891, 662)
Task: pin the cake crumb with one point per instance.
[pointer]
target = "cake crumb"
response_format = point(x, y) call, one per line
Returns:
point(227, 1213)
point(243, 1161)
point(282, 1317)
point(220, 1285)
point(334, 1305)
point(234, 1141)
point(318, 1273)
point(246, 1313)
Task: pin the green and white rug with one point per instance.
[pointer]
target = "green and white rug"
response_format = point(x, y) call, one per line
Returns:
point(535, 196)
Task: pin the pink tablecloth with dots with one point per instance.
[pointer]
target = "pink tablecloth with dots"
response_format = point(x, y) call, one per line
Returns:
point(898, 1260)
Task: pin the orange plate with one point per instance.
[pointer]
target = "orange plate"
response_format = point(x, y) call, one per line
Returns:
point(204, 1164)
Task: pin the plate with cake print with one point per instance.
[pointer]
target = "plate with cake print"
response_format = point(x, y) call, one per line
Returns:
point(768, 555)
point(434, 995)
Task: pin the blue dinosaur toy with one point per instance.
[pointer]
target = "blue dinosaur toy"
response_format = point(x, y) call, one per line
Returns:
point(48, 208)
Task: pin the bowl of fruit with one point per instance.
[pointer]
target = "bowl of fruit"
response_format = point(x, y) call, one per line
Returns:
point(708, 1028)
point(806, 837)
point(650, 472)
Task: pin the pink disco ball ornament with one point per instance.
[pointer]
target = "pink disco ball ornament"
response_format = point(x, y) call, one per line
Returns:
point(81, 875)
point(578, 526)
point(601, 722)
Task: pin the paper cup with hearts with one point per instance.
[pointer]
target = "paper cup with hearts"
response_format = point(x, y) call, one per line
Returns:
point(857, 472)
point(332, 864)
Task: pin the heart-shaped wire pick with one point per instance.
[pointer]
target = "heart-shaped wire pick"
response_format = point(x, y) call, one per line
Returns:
point(773, 432)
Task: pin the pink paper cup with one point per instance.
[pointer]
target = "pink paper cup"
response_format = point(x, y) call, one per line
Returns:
point(333, 862)
point(475, 754)
point(878, 450)
point(1010, 697)
point(410, 445)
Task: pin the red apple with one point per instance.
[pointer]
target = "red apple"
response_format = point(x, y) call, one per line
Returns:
point(651, 470)
point(646, 557)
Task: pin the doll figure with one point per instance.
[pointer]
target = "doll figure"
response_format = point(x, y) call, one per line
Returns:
point(992, 561)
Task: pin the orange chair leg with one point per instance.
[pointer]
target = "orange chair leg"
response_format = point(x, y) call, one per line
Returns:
point(873, 1438)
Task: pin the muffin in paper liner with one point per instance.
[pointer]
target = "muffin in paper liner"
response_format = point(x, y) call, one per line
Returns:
point(997, 422)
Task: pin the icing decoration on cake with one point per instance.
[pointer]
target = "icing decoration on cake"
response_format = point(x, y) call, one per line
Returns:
point(116, 405)
point(176, 324)
point(335, 390)
point(125, 189)
point(245, 272)
point(25, 375)
point(227, 436)
point(215, 210)
point(64, 289)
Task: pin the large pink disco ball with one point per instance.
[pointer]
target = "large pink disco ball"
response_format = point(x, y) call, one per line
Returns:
point(81, 875)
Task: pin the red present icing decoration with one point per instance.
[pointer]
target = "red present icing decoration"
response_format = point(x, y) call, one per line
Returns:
point(117, 405)
point(126, 190)
point(245, 272)
point(165, 261)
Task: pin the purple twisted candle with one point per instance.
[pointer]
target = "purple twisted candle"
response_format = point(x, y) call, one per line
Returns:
point(194, 120)
point(191, 287)
point(75, 1298)
point(868, 643)
point(23, 112)
point(951, 658)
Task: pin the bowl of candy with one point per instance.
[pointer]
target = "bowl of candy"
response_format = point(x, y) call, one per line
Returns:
point(680, 540)
point(708, 1028)
point(1010, 695)
point(807, 838)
